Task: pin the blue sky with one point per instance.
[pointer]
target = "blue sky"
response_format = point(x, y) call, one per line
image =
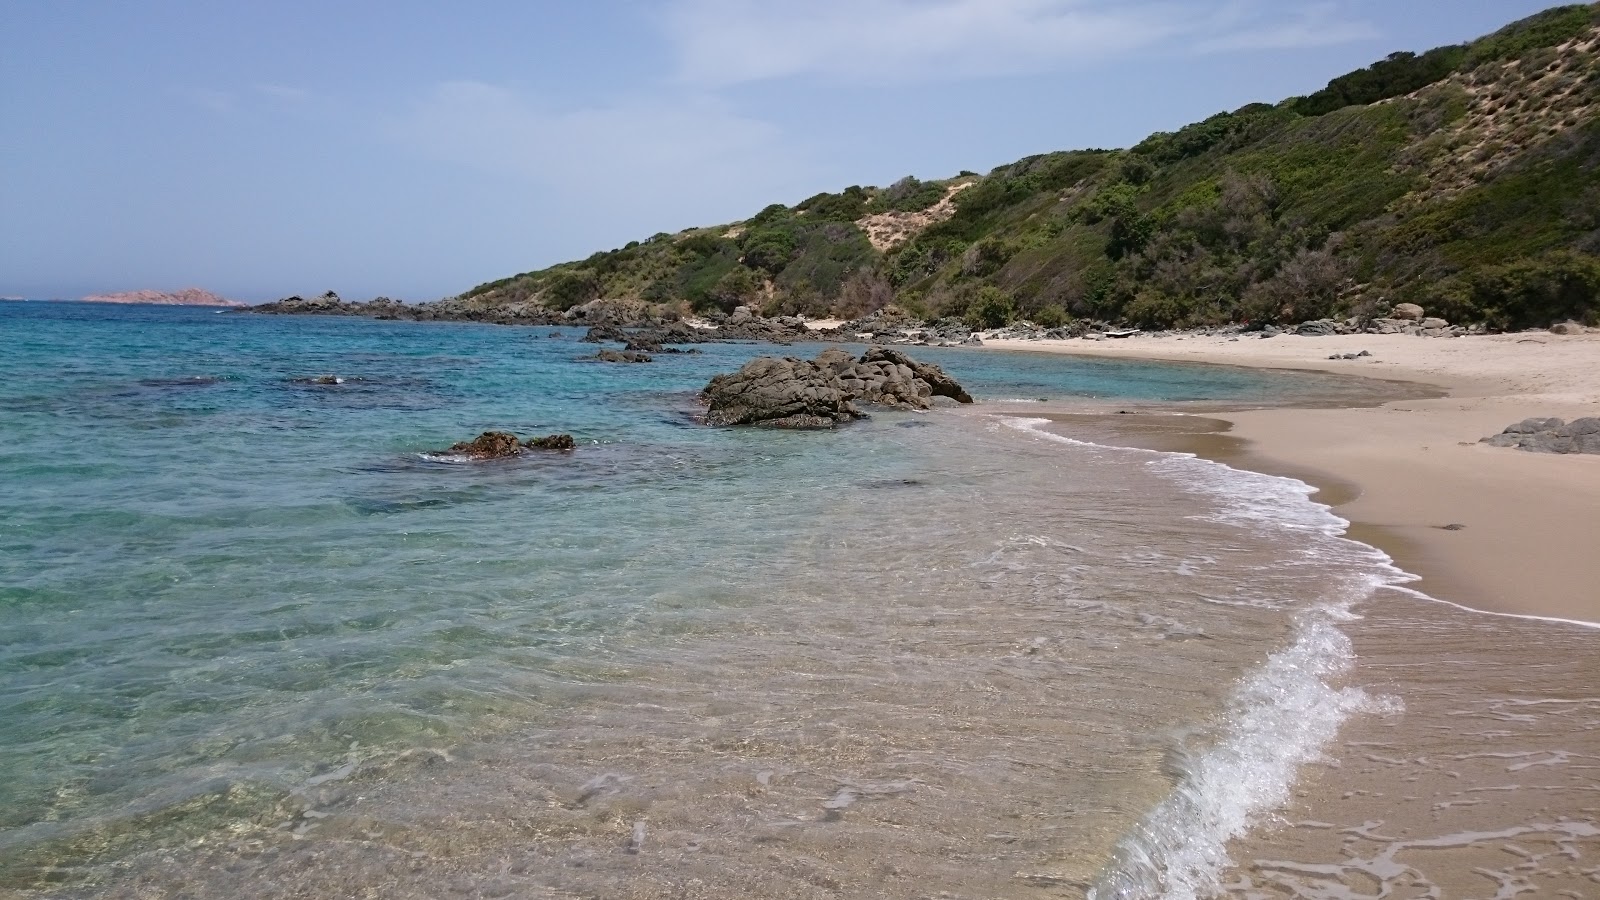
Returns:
point(414, 149)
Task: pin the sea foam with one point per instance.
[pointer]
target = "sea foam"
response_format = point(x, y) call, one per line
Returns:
point(1278, 718)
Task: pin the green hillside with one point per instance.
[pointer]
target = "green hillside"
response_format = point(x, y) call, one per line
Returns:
point(1466, 179)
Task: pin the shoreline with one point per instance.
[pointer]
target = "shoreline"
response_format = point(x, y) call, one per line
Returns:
point(1404, 470)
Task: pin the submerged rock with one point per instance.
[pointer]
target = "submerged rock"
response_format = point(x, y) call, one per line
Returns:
point(1546, 435)
point(623, 356)
point(552, 442)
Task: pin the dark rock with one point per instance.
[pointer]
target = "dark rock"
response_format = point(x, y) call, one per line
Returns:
point(642, 345)
point(778, 393)
point(1453, 526)
point(600, 334)
point(552, 442)
point(318, 379)
point(489, 445)
point(795, 393)
point(1319, 328)
point(622, 356)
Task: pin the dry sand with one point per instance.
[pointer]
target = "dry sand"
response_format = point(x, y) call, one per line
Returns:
point(1530, 544)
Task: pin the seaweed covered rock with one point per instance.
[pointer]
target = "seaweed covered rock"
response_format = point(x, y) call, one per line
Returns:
point(489, 445)
point(552, 442)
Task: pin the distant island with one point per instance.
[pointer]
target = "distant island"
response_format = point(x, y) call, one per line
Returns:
point(184, 297)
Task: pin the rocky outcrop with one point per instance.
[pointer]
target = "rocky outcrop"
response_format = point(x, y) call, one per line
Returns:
point(503, 444)
point(611, 312)
point(1550, 436)
point(939, 383)
point(778, 393)
point(822, 393)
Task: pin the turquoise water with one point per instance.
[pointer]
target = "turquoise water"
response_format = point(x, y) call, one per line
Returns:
point(226, 594)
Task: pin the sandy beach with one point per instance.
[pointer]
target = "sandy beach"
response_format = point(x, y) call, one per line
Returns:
point(1523, 535)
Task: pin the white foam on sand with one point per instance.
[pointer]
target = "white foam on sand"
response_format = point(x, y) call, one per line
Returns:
point(1278, 718)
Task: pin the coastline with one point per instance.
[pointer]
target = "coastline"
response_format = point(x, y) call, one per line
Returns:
point(1404, 470)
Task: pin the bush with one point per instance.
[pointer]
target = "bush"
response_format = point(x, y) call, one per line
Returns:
point(566, 288)
point(990, 309)
point(846, 206)
point(1527, 294)
point(1052, 316)
point(909, 195)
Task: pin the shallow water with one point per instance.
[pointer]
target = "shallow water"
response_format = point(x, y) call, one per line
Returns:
point(258, 643)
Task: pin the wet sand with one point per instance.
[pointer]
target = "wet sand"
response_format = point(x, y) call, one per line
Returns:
point(1476, 775)
point(1489, 528)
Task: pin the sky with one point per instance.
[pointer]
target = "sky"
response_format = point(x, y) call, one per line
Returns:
point(415, 149)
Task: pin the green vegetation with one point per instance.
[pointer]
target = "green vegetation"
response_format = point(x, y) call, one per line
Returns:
point(1465, 178)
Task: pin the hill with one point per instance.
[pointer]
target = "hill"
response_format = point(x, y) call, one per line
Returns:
point(184, 297)
point(1464, 179)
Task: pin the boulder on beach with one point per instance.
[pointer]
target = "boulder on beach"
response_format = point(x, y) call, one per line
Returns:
point(1549, 435)
point(821, 393)
point(1407, 311)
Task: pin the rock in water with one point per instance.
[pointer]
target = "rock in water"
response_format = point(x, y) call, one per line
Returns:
point(794, 393)
point(623, 356)
point(941, 384)
point(553, 442)
point(778, 393)
point(489, 445)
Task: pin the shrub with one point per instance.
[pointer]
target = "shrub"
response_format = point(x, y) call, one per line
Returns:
point(910, 195)
point(566, 288)
point(991, 308)
point(1526, 294)
point(1052, 316)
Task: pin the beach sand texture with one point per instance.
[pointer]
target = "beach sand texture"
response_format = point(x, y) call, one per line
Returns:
point(1532, 521)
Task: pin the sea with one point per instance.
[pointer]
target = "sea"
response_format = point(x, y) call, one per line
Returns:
point(262, 635)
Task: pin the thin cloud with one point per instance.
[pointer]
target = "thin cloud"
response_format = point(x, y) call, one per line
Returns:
point(1315, 26)
point(680, 155)
point(725, 42)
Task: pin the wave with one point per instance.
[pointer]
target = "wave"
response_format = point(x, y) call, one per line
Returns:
point(1277, 718)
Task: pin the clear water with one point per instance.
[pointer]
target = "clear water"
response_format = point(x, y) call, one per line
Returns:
point(254, 639)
